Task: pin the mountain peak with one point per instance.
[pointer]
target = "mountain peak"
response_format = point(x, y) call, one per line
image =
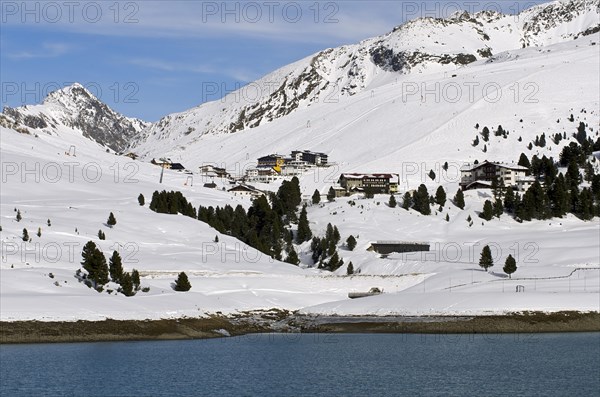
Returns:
point(77, 109)
point(72, 93)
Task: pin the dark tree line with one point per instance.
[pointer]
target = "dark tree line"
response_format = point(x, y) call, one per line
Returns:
point(266, 226)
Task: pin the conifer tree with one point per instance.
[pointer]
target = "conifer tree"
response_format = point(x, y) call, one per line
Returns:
point(351, 243)
point(350, 269)
point(135, 279)
point(316, 197)
point(39, 232)
point(459, 199)
point(111, 220)
point(573, 177)
point(336, 235)
point(19, 217)
point(496, 187)
point(431, 175)
point(127, 285)
point(488, 211)
point(94, 263)
point(581, 134)
point(101, 235)
point(476, 141)
point(392, 203)
point(329, 232)
point(510, 266)
point(407, 201)
point(101, 268)
point(485, 134)
point(25, 235)
point(509, 200)
point(115, 267)
point(315, 247)
point(182, 284)
point(440, 196)
point(498, 208)
point(421, 200)
point(141, 200)
point(486, 261)
point(304, 232)
point(334, 262)
point(292, 257)
point(49, 223)
point(331, 194)
point(87, 255)
point(542, 142)
point(447, 217)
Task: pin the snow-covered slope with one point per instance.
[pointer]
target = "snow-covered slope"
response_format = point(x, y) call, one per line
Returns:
point(37, 278)
point(74, 110)
point(418, 123)
point(408, 126)
point(422, 46)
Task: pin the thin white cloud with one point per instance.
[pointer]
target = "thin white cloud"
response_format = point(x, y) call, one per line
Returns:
point(238, 74)
point(328, 23)
point(47, 50)
point(348, 21)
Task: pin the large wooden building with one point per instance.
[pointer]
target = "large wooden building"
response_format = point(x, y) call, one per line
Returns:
point(272, 160)
point(373, 183)
point(481, 175)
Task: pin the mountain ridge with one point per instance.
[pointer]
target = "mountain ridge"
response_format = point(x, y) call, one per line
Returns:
point(348, 70)
point(74, 109)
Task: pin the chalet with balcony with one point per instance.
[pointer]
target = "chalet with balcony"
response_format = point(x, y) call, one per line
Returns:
point(374, 183)
point(481, 175)
point(312, 158)
point(214, 171)
point(260, 174)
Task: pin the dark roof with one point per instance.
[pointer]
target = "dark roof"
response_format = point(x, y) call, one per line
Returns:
point(484, 184)
point(361, 176)
point(177, 166)
point(244, 188)
point(271, 157)
point(495, 164)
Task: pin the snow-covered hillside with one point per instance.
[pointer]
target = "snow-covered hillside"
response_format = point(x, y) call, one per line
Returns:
point(422, 46)
point(558, 263)
point(393, 111)
point(421, 121)
point(74, 110)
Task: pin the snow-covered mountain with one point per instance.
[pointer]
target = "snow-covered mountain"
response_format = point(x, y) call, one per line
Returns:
point(74, 109)
point(422, 46)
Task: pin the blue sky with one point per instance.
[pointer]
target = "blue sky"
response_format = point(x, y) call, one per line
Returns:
point(150, 58)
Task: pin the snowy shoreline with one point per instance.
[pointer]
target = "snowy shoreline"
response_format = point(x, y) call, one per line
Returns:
point(276, 321)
